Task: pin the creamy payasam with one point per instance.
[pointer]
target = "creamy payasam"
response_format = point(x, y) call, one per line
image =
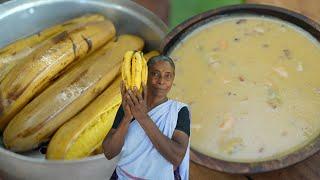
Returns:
point(253, 85)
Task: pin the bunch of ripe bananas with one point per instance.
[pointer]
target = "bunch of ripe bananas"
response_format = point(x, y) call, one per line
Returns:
point(62, 86)
point(134, 70)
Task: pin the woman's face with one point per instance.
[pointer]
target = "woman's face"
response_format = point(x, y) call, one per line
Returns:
point(160, 78)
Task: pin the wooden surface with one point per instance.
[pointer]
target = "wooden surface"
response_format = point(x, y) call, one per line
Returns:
point(305, 170)
point(308, 169)
point(310, 8)
point(159, 7)
point(200, 172)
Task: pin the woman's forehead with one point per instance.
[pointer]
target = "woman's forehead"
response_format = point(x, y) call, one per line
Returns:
point(162, 66)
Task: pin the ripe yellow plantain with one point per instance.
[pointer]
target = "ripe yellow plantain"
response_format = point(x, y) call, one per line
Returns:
point(14, 52)
point(32, 74)
point(97, 151)
point(84, 133)
point(134, 70)
point(126, 68)
point(144, 73)
point(37, 121)
point(137, 70)
point(49, 32)
point(150, 55)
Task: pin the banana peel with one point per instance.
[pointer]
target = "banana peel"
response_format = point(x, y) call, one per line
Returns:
point(14, 52)
point(84, 133)
point(134, 70)
point(151, 54)
point(38, 121)
point(34, 72)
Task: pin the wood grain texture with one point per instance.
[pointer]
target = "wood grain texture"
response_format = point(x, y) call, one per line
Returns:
point(310, 8)
point(308, 169)
point(200, 172)
point(158, 7)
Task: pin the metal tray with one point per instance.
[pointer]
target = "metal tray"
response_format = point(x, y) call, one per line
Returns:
point(20, 18)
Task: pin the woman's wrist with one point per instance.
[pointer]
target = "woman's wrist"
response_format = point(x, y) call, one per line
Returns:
point(127, 119)
point(143, 117)
point(124, 125)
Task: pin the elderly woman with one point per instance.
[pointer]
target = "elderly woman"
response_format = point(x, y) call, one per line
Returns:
point(150, 131)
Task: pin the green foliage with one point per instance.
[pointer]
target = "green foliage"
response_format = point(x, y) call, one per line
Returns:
point(181, 10)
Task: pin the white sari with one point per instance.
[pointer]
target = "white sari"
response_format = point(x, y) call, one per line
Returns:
point(139, 159)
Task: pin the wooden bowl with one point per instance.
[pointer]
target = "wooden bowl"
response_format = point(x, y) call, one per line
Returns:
point(178, 33)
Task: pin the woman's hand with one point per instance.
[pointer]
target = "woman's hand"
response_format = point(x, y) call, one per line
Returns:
point(137, 103)
point(126, 108)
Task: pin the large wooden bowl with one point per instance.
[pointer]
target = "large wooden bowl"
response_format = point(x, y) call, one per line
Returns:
point(178, 33)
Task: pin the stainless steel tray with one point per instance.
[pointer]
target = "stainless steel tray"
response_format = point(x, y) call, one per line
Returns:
point(20, 18)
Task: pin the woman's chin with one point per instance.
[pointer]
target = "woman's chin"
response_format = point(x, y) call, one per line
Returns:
point(160, 93)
